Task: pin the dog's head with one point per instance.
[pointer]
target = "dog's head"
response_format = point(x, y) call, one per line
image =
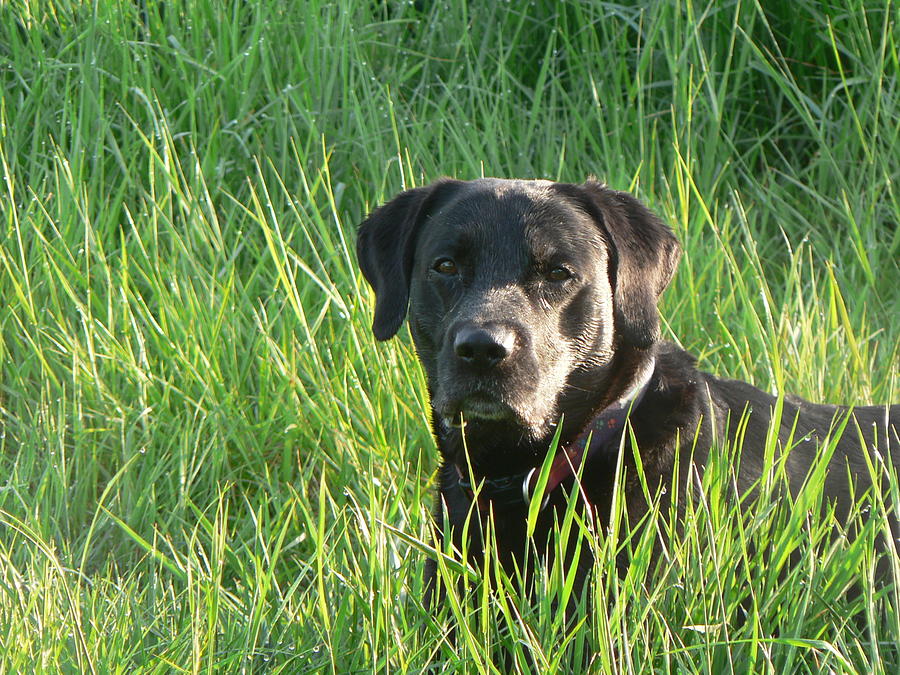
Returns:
point(521, 294)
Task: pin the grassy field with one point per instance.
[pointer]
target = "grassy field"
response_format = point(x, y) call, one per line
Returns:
point(206, 462)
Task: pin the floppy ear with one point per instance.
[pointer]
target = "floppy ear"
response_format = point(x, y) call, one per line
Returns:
point(385, 246)
point(644, 256)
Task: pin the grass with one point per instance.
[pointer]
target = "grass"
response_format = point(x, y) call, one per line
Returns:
point(207, 463)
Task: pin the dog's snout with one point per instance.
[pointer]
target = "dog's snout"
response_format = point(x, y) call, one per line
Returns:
point(483, 347)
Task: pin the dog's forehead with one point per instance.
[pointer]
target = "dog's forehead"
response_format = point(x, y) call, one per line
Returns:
point(512, 196)
point(493, 211)
point(500, 187)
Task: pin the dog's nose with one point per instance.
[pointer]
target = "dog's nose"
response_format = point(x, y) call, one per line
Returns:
point(483, 347)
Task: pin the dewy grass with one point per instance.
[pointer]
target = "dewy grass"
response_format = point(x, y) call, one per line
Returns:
point(209, 465)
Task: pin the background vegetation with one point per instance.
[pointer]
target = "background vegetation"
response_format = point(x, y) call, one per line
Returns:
point(207, 464)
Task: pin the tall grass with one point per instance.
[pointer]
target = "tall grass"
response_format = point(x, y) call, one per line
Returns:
point(208, 465)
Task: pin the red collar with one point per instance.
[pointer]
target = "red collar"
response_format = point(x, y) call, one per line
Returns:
point(518, 489)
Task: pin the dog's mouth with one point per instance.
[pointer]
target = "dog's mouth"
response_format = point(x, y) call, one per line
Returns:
point(478, 407)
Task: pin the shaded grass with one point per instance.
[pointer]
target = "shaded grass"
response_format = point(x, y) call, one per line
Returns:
point(207, 462)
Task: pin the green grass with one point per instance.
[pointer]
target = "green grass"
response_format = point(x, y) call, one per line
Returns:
point(207, 464)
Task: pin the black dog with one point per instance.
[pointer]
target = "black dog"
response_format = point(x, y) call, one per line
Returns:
point(533, 304)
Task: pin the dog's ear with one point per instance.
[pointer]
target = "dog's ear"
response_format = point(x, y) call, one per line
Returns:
point(385, 246)
point(644, 256)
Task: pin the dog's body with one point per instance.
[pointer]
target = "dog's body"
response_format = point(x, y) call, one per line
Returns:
point(533, 304)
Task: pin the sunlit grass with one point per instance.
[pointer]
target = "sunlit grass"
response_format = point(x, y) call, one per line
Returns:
point(209, 465)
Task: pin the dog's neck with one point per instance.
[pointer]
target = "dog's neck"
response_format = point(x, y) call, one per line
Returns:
point(603, 432)
point(487, 452)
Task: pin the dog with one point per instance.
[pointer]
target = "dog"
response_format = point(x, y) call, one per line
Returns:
point(533, 309)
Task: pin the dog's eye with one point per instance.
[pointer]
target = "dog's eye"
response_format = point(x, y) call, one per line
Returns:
point(559, 274)
point(445, 266)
